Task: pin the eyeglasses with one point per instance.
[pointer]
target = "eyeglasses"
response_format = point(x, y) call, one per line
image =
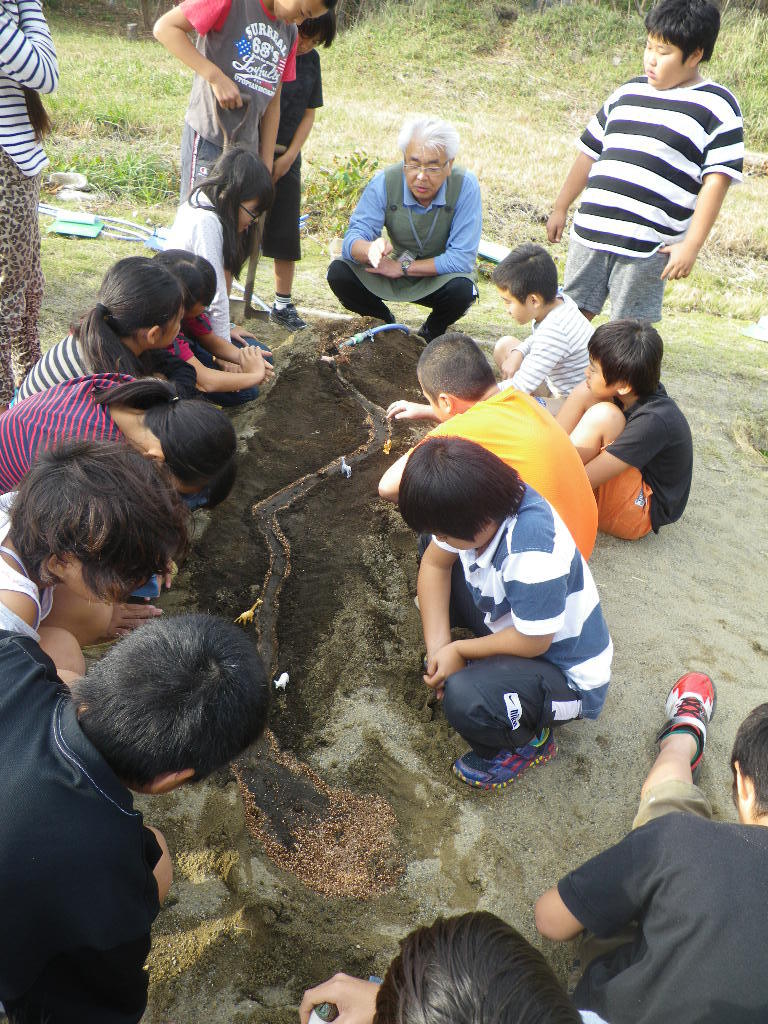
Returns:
point(430, 170)
point(253, 215)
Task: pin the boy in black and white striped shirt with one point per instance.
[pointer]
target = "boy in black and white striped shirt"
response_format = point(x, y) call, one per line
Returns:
point(655, 164)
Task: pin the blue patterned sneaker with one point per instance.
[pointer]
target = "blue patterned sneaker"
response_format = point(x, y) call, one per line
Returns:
point(506, 766)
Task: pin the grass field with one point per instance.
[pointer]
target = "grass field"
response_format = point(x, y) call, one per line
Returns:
point(519, 91)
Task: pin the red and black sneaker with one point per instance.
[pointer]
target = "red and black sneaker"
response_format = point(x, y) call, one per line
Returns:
point(690, 708)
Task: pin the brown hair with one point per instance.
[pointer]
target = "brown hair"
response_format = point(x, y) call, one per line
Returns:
point(38, 115)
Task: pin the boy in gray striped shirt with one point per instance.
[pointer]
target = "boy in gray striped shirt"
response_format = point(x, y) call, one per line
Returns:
point(552, 361)
point(655, 164)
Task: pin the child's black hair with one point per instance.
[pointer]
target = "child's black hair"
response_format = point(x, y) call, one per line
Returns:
point(454, 364)
point(197, 439)
point(195, 274)
point(237, 177)
point(528, 270)
point(454, 487)
point(104, 504)
point(750, 749)
point(473, 967)
point(630, 352)
point(688, 24)
point(188, 691)
point(135, 294)
point(322, 29)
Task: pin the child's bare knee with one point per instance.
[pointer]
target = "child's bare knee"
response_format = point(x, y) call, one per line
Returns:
point(163, 870)
point(605, 419)
point(503, 347)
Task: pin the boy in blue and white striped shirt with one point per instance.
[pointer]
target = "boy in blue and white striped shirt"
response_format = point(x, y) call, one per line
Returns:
point(656, 162)
point(502, 564)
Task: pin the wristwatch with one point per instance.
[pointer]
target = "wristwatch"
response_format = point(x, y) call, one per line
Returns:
point(405, 261)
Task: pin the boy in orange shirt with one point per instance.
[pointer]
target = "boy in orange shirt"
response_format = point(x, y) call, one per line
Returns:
point(465, 401)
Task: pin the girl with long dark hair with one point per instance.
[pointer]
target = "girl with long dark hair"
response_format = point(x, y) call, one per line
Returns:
point(137, 315)
point(218, 221)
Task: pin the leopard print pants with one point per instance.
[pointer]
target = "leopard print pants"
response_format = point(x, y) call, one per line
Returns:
point(21, 278)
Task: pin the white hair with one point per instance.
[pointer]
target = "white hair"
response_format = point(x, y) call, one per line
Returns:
point(432, 132)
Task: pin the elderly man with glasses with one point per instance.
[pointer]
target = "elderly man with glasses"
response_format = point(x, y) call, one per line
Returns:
point(432, 214)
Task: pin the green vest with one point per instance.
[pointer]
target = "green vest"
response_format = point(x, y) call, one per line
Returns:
point(424, 235)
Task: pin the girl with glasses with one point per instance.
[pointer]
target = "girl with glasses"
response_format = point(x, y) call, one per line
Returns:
point(218, 221)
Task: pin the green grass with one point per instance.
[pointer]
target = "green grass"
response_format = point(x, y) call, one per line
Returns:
point(520, 93)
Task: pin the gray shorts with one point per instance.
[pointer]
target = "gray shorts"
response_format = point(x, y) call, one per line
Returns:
point(634, 284)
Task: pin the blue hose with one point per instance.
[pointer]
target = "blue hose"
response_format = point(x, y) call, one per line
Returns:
point(358, 339)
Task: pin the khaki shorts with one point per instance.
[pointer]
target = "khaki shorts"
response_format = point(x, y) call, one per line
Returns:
point(671, 796)
point(624, 505)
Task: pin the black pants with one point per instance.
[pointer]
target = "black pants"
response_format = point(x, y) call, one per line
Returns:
point(501, 702)
point(448, 303)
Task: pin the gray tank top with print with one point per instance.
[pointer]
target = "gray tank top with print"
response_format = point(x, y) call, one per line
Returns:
point(252, 50)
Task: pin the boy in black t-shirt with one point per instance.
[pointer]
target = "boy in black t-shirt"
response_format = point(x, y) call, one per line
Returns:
point(81, 877)
point(675, 913)
point(298, 102)
point(633, 439)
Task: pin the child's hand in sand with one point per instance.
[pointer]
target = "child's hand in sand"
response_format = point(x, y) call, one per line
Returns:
point(354, 998)
point(442, 664)
point(402, 410)
point(377, 250)
point(252, 361)
point(127, 617)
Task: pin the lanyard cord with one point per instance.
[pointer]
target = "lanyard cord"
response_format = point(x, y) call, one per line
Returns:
point(419, 244)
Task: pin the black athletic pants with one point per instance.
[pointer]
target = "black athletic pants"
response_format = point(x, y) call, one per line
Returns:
point(448, 303)
point(502, 702)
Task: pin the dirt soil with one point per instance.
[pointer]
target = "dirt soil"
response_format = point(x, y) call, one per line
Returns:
point(345, 827)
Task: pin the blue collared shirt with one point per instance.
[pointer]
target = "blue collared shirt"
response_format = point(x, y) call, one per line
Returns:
point(459, 257)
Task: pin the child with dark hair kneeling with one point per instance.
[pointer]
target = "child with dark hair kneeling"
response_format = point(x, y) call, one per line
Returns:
point(83, 878)
point(226, 373)
point(90, 522)
point(502, 564)
point(633, 439)
point(471, 967)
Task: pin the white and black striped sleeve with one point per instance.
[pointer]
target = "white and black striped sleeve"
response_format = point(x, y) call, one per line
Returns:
point(60, 363)
point(27, 54)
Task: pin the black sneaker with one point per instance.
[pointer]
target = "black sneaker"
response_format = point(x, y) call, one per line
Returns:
point(425, 333)
point(287, 317)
